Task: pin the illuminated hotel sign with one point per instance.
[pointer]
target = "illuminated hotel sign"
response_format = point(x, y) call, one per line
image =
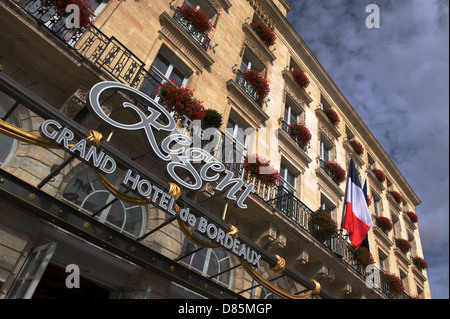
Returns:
point(175, 149)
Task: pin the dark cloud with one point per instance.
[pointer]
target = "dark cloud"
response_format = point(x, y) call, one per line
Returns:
point(396, 78)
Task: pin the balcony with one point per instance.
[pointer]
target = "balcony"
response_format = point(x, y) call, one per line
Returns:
point(182, 35)
point(248, 99)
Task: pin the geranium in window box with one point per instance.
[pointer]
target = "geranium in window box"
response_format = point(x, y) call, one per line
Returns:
point(181, 100)
point(259, 168)
point(300, 133)
point(394, 284)
point(197, 18)
point(336, 171)
point(323, 219)
point(403, 244)
point(257, 81)
point(266, 33)
point(412, 216)
point(86, 11)
point(379, 174)
point(368, 200)
point(396, 195)
point(357, 146)
point(384, 223)
point(332, 115)
point(362, 256)
point(300, 77)
point(420, 262)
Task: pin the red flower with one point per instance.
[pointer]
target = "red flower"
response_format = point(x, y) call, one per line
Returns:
point(196, 18)
point(397, 197)
point(412, 216)
point(331, 114)
point(300, 132)
point(403, 244)
point(385, 223)
point(337, 172)
point(327, 226)
point(362, 256)
point(357, 146)
point(181, 101)
point(265, 32)
point(420, 262)
point(86, 11)
point(259, 168)
point(300, 77)
point(394, 284)
point(257, 81)
point(379, 174)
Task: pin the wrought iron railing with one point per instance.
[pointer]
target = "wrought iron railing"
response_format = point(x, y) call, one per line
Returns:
point(248, 88)
point(201, 38)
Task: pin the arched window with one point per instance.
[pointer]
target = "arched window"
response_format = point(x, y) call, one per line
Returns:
point(8, 145)
point(208, 261)
point(86, 193)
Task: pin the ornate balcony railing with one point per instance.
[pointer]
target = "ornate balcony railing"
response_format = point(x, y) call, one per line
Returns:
point(248, 88)
point(201, 38)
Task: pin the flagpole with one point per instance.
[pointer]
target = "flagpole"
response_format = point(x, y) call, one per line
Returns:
point(341, 238)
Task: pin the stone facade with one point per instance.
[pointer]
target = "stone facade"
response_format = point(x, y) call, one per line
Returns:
point(61, 77)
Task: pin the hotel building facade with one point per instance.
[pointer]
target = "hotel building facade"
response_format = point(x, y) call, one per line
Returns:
point(112, 213)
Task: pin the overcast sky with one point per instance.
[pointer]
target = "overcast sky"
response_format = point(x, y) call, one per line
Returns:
point(396, 77)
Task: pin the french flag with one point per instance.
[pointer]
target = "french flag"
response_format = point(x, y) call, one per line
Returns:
point(356, 220)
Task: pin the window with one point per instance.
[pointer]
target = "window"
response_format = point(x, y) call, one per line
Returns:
point(325, 148)
point(287, 178)
point(396, 226)
point(383, 260)
point(236, 143)
point(327, 205)
point(291, 115)
point(86, 193)
point(207, 261)
point(249, 61)
point(376, 205)
point(8, 145)
point(165, 66)
point(31, 272)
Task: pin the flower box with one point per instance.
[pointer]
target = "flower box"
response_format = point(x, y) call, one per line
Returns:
point(403, 244)
point(379, 174)
point(300, 77)
point(336, 171)
point(266, 33)
point(357, 146)
point(196, 18)
point(362, 256)
point(259, 168)
point(420, 262)
point(327, 226)
point(412, 216)
point(180, 100)
point(300, 133)
point(86, 11)
point(394, 284)
point(257, 81)
point(332, 115)
point(384, 223)
point(396, 195)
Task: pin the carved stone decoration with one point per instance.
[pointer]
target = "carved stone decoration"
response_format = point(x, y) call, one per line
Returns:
point(255, 44)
